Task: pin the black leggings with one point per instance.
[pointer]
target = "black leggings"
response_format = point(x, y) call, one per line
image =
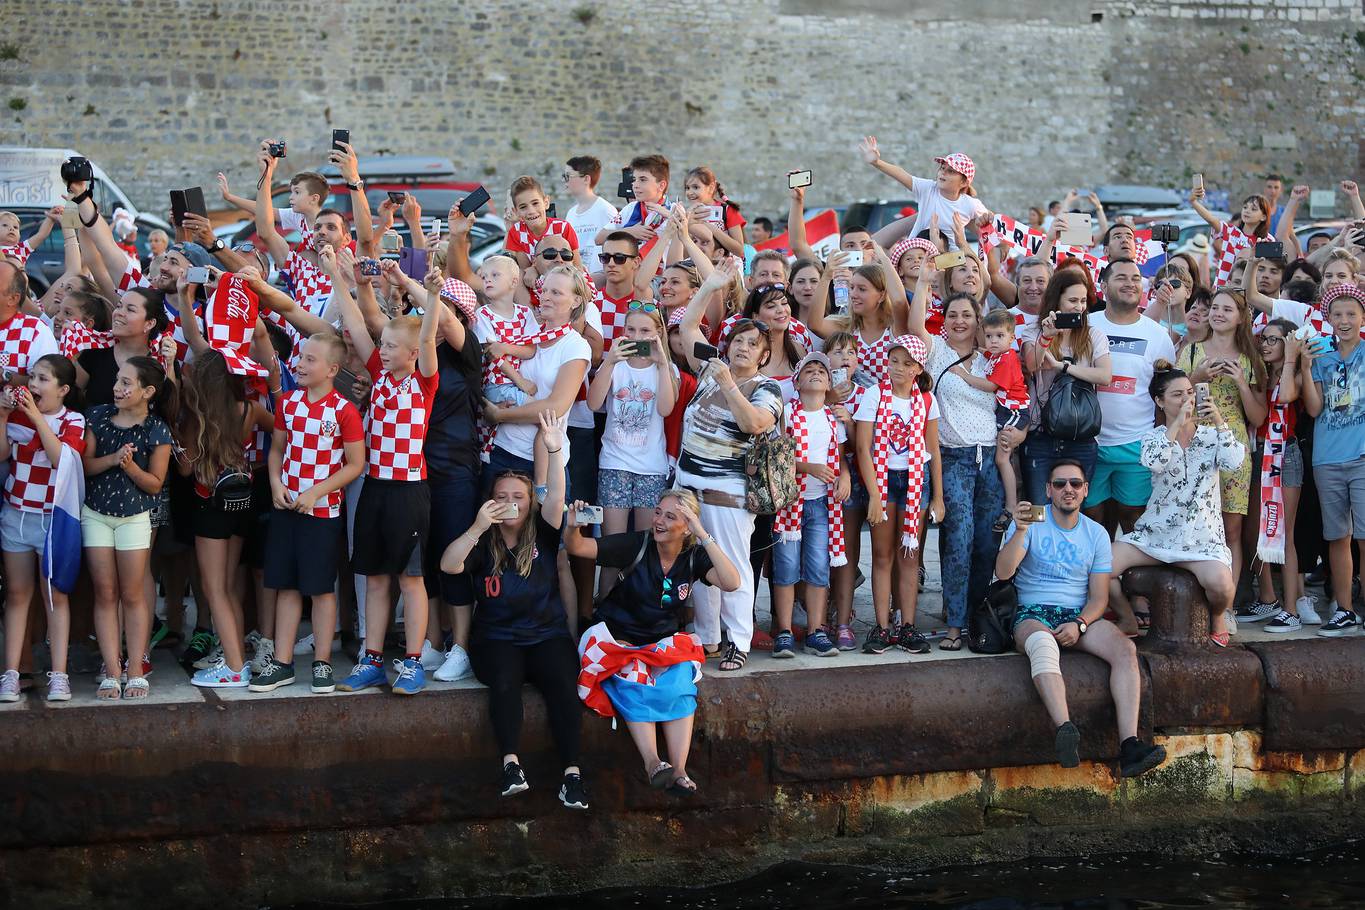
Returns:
point(552, 667)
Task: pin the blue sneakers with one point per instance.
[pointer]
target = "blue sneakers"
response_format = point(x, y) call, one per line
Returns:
point(363, 676)
point(411, 677)
point(784, 644)
point(818, 643)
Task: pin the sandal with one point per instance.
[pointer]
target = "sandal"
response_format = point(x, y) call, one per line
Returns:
point(1220, 639)
point(137, 687)
point(109, 689)
point(1144, 620)
point(683, 786)
point(659, 778)
point(951, 643)
point(734, 658)
point(712, 653)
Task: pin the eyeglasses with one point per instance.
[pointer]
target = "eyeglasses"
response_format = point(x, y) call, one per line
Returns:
point(618, 258)
point(1062, 483)
point(568, 175)
point(552, 255)
point(1271, 339)
point(638, 306)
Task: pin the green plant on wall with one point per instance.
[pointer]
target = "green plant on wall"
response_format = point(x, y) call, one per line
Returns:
point(9, 51)
point(17, 104)
point(584, 15)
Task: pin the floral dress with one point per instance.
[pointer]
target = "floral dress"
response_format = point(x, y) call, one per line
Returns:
point(1235, 486)
point(1182, 522)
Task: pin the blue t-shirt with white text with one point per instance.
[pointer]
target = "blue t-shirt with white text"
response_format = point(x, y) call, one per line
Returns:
point(1056, 569)
point(1339, 431)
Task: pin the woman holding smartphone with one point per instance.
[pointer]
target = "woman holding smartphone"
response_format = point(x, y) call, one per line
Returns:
point(1061, 343)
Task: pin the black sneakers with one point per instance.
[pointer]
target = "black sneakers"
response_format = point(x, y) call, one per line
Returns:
point(572, 793)
point(1137, 757)
point(908, 638)
point(513, 780)
point(1068, 745)
point(878, 640)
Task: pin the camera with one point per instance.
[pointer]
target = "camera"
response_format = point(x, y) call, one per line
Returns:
point(277, 149)
point(1165, 233)
point(77, 170)
point(624, 188)
point(369, 267)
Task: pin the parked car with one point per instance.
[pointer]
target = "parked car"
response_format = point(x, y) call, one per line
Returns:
point(875, 214)
point(31, 183)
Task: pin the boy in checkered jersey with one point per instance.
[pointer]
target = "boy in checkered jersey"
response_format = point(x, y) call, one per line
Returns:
point(318, 448)
point(307, 190)
point(12, 247)
point(393, 514)
point(529, 204)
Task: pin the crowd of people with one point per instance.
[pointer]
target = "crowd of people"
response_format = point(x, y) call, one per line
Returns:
point(609, 432)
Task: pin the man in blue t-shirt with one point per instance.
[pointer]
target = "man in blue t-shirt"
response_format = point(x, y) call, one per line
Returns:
point(1060, 566)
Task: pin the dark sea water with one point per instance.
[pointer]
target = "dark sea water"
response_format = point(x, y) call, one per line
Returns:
point(1330, 879)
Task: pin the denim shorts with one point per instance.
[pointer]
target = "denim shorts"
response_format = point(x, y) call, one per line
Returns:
point(898, 487)
point(624, 490)
point(22, 531)
point(806, 559)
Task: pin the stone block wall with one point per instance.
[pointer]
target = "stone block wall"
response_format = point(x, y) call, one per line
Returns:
point(1043, 95)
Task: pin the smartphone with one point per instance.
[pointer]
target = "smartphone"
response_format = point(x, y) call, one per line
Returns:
point(71, 217)
point(338, 137)
point(390, 244)
point(716, 215)
point(369, 267)
point(198, 274)
point(194, 201)
point(1269, 249)
point(177, 207)
point(1035, 513)
point(950, 259)
point(474, 201)
point(435, 227)
point(413, 262)
point(1199, 181)
point(1201, 394)
point(703, 352)
point(1077, 230)
point(589, 515)
point(624, 189)
point(551, 212)
point(838, 376)
point(642, 347)
point(397, 197)
point(510, 510)
point(798, 179)
point(855, 258)
point(1068, 320)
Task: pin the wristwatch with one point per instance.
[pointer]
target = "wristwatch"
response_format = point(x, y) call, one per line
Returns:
point(218, 246)
point(1082, 624)
point(355, 187)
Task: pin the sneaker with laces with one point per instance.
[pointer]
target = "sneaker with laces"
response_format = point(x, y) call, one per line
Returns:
point(1308, 611)
point(1344, 622)
point(784, 645)
point(308, 644)
point(1137, 757)
point(431, 658)
point(221, 676)
point(323, 680)
point(878, 640)
point(1283, 622)
point(265, 655)
point(1232, 622)
point(513, 779)
point(201, 643)
point(275, 675)
point(211, 659)
point(253, 638)
point(818, 643)
point(146, 665)
point(9, 686)
point(911, 640)
point(58, 687)
point(1259, 612)
point(411, 677)
point(363, 676)
point(455, 666)
point(846, 640)
point(572, 792)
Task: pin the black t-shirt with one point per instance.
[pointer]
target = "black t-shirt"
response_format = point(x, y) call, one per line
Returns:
point(646, 605)
point(451, 438)
point(100, 365)
point(525, 611)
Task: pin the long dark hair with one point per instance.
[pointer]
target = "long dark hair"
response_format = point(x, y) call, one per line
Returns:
point(166, 402)
point(765, 294)
point(64, 371)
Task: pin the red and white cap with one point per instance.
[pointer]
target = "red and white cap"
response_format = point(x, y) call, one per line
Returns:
point(906, 244)
point(960, 163)
point(460, 294)
point(913, 344)
point(1342, 290)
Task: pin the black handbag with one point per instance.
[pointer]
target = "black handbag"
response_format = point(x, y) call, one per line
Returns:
point(990, 624)
point(1072, 409)
point(232, 492)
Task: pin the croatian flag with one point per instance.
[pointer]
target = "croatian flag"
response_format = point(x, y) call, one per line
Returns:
point(822, 233)
point(62, 549)
point(1151, 256)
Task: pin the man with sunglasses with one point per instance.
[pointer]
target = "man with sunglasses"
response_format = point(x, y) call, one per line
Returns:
point(616, 290)
point(1060, 563)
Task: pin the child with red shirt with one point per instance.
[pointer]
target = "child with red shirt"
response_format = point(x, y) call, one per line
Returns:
point(40, 437)
point(16, 249)
point(319, 448)
point(394, 511)
point(529, 203)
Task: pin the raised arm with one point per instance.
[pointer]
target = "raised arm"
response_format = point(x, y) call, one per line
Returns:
point(919, 303)
point(1197, 203)
point(796, 225)
point(552, 434)
point(352, 320)
point(820, 322)
point(457, 253)
point(1101, 219)
point(690, 328)
point(1352, 191)
point(346, 162)
point(97, 230)
point(272, 298)
point(1284, 231)
point(427, 363)
point(872, 155)
point(265, 209)
point(672, 233)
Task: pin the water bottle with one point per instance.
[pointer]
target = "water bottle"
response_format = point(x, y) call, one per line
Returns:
point(841, 295)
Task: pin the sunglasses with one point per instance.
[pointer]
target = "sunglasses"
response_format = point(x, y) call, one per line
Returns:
point(566, 176)
point(765, 288)
point(667, 598)
point(552, 255)
point(1062, 483)
point(618, 258)
point(637, 306)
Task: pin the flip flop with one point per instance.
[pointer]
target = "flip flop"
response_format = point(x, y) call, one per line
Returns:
point(676, 787)
point(1144, 620)
point(661, 776)
point(951, 643)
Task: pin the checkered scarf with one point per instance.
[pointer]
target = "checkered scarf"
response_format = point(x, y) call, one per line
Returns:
point(230, 321)
point(1233, 241)
point(787, 524)
point(546, 336)
point(912, 435)
point(1271, 540)
point(77, 337)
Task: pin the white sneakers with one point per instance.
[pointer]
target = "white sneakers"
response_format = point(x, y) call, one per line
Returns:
point(1308, 613)
point(456, 665)
point(431, 658)
point(308, 644)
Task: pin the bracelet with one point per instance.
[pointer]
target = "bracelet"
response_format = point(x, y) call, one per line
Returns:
point(554, 451)
point(707, 542)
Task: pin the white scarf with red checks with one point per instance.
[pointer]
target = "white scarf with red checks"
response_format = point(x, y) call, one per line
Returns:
point(787, 524)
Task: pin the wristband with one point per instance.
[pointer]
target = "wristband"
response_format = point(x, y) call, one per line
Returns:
point(554, 451)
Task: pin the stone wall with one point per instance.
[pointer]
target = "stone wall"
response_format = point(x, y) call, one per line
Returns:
point(1044, 95)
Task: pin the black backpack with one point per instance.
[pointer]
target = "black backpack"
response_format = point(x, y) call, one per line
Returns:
point(990, 624)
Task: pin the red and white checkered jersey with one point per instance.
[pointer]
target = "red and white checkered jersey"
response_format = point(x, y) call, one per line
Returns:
point(397, 422)
point(31, 477)
point(614, 311)
point(23, 340)
point(1233, 241)
point(315, 444)
point(308, 285)
point(521, 239)
point(19, 252)
point(875, 357)
point(490, 327)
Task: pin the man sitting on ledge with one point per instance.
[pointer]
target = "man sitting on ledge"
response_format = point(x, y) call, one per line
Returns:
point(1060, 565)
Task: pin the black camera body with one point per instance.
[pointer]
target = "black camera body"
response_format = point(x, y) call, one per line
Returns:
point(624, 188)
point(277, 149)
point(1166, 233)
point(77, 170)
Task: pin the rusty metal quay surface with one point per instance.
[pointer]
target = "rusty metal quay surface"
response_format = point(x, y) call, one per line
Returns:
point(289, 796)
